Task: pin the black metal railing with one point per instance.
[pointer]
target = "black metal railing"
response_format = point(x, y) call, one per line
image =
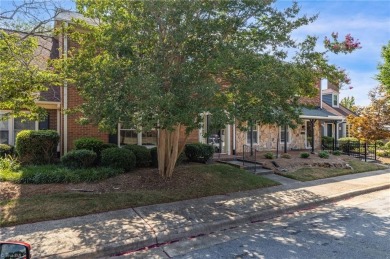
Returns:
point(357, 149)
point(249, 155)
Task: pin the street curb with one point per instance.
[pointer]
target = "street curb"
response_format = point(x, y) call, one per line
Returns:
point(201, 229)
point(177, 234)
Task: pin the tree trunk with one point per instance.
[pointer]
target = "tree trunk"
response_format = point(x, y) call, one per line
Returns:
point(168, 150)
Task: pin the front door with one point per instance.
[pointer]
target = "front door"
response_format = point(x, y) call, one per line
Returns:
point(215, 136)
point(309, 134)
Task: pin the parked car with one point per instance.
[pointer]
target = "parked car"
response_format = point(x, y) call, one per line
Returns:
point(15, 250)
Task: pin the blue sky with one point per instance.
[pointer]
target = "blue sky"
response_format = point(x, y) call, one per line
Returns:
point(368, 21)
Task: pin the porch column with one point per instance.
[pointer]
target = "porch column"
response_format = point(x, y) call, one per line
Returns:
point(285, 138)
point(227, 140)
point(336, 129)
point(312, 123)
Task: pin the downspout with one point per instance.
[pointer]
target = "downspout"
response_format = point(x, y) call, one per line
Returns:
point(65, 53)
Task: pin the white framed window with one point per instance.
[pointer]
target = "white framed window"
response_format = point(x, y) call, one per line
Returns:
point(10, 128)
point(252, 134)
point(130, 136)
point(335, 100)
point(282, 131)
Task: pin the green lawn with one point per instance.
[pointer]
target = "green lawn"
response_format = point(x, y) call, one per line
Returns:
point(205, 180)
point(310, 174)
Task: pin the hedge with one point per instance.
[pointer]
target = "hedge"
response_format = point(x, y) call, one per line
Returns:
point(82, 158)
point(118, 158)
point(142, 155)
point(199, 152)
point(37, 146)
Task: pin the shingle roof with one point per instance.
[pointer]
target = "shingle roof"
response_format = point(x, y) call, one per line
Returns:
point(318, 113)
point(340, 111)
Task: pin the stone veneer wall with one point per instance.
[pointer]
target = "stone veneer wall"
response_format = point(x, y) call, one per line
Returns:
point(268, 135)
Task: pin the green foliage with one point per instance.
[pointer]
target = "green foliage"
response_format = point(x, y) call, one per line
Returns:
point(336, 153)
point(154, 157)
point(142, 155)
point(323, 154)
point(198, 152)
point(118, 158)
point(304, 155)
point(383, 153)
point(37, 146)
point(6, 150)
point(108, 145)
point(387, 145)
point(328, 141)
point(89, 143)
point(23, 75)
point(80, 158)
point(44, 174)
point(347, 143)
point(269, 155)
point(349, 103)
point(384, 68)
point(287, 156)
point(10, 163)
point(227, 41)
point(379, 143)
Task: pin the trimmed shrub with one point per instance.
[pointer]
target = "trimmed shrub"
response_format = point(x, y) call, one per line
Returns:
point(336, 153)
point(37, 146)
point(89, 143)
point(304, 155)
point(269, 155)
point(327, 141)
point(154, 157)
point(108, 145)
point(287, 156)
point(323, 154)
point(142, 155)
point(198, 152)
point(387, 145)
point(81, 158)
point(118, 158)
point(6, 150)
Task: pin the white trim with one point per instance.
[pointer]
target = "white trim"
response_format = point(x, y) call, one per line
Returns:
point(333, 95)
point(65, 93)
point(256, 128)
point(228, 148)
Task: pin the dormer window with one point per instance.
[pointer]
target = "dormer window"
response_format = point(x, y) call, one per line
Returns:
point(335, 100)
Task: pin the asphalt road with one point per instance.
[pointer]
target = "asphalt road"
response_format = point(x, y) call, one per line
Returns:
point(353, 228)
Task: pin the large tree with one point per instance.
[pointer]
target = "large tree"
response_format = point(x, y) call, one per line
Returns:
point(374, 119)
point(349, 103)
point(24, 69)
point(384, 68)
point(162, 64)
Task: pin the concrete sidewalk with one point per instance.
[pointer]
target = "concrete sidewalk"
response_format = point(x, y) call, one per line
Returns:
point(108, 233)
